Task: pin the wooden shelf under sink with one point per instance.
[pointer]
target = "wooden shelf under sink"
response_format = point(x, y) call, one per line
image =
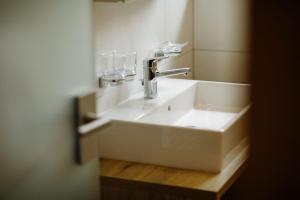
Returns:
point(121, 179)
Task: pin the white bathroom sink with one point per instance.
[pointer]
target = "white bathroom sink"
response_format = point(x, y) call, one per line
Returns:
point(197, 125)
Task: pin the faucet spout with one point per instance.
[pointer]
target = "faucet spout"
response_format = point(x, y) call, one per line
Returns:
point(151, 73)
point(173, 72)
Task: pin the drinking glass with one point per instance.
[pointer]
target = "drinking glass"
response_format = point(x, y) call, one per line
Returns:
point(108, 69)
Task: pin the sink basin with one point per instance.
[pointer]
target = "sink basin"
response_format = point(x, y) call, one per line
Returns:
point(198, 125)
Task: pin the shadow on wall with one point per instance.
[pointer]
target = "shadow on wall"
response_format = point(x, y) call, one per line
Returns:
point(273, 170)
point(221, 40)
point(181, 31)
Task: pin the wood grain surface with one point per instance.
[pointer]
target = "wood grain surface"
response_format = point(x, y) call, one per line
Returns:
point(198, 183)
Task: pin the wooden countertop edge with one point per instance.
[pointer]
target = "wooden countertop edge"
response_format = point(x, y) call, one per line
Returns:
point(156, 187)
point(151, 176)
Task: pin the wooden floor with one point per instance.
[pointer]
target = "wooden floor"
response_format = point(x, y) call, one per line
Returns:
point(128, 180)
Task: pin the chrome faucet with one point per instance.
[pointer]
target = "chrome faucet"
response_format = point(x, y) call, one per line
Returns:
point(151, 73)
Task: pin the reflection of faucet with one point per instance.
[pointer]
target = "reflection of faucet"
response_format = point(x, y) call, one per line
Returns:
point(151, 74)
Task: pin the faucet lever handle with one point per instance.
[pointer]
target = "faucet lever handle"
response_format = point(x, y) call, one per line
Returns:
point(159, 58)
point(153, 67)
point(153, 62)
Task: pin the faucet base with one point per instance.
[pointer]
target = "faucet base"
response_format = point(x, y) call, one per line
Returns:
point(150, 89)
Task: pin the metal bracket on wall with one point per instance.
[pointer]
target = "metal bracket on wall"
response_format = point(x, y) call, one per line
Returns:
point(87, 127)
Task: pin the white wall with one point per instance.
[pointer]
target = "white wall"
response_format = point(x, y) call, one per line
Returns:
point(142, 24)
point(222, 40)
point(217, 31)
point(46, 57)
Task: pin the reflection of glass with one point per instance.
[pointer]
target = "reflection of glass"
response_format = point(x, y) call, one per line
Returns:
point(120, 63)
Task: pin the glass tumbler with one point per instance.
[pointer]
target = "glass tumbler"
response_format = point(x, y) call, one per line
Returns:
point(126, 64)
point(109, 67)
point(130, 66)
